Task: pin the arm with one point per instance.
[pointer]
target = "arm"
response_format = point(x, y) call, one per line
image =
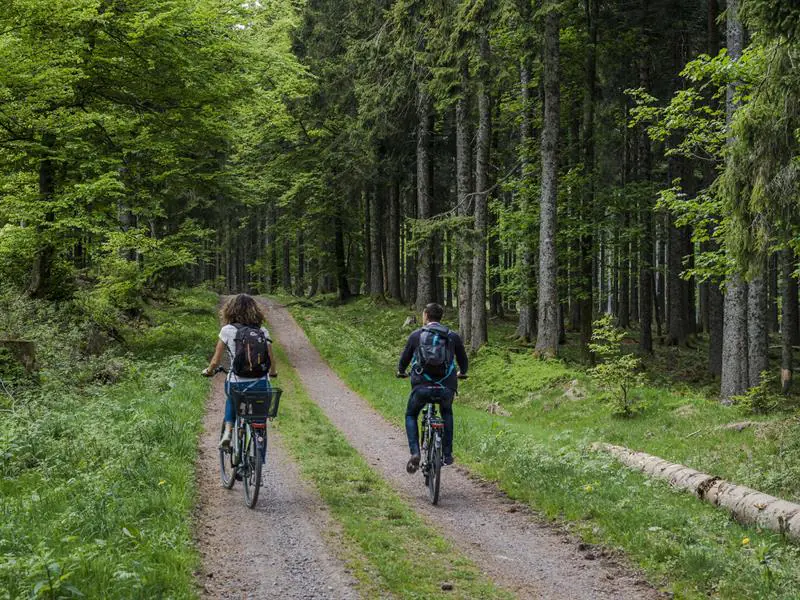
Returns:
point(219, 350)
point(461, 354)
point(272, 368)
point(405, 357)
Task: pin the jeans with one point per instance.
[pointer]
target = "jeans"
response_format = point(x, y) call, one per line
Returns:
point(416, 402)
point(241, 386)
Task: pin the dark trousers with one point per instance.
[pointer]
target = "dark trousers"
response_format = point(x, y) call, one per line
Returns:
point(416, 402)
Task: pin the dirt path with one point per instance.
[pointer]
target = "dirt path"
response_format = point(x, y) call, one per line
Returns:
point(278, 549)
point(533, 559)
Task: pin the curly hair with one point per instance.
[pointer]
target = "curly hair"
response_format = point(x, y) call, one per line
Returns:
point(241, 309)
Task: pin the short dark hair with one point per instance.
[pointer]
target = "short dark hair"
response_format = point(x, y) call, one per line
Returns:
point(434, 311)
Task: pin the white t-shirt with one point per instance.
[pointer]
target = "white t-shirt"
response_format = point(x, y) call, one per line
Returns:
point(228, 336)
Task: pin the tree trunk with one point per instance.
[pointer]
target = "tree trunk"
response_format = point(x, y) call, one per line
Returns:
point(424, 199)
point(787, 358)
point(715, 328)
point(375, 260)
point(677, 333)
point(646, 282)
point(479, 322)
point(286, 273)
point(463, 191)
point(547, 338)
point(592, 9)
point(300, 279)
point(393, 243)
point(45, 252)
point(735, 368)
point(341, 265)
point(757, 333)
point(525, 326)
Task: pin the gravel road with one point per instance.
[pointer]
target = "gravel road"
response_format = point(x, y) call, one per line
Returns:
point(277, 550)
point(531, 558)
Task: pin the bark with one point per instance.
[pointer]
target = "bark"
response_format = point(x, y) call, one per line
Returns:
point(623, 299)
point(424, 199)
point(463, 185)
point(592, 9)
point(526, 324)
point(45, 253)
point(787, 358)
point(375, 260)
point(300, 280)
point(479, 321)
point(791, 305)
point(747, 506)
point(547, 338)
point(341, 265)
point(286, 273)
point(646, 283)
point(757, 333)
point(393, 244)
point(677, 333)
point(735, 368)
point(715, 328)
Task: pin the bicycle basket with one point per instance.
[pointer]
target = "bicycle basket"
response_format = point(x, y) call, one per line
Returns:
point(258, 403)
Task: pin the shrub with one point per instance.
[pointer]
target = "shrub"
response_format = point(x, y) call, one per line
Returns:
point(617, 372)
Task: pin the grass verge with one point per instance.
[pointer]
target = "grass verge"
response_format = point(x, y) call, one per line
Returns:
point(97, 479)
point(397, 553)
point(539, 454)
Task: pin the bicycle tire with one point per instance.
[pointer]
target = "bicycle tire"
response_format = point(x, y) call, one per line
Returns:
point(227, 471)
point(435, 468)
point(253, 463)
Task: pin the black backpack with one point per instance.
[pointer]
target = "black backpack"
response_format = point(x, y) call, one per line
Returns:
point(252, 355)
point(433, 357)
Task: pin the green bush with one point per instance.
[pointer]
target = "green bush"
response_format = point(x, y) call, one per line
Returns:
point(617, 373)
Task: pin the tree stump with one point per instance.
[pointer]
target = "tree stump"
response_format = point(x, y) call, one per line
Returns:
point(22, 351)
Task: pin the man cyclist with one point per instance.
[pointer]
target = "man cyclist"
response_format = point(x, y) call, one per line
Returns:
point(432, 351)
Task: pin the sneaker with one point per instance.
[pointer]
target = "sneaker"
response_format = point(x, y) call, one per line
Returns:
point(413, 463)
point(225, 442)
point(448, 460)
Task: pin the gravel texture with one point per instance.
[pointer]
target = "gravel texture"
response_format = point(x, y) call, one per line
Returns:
point(511, 545)
point(277, 550)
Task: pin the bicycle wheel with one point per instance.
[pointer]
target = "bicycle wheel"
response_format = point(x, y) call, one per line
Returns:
point(434, 468)
point(227, 471)
point(253, 461)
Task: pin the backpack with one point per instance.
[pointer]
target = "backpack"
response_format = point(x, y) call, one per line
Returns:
point(434, 356)
point(252, 355)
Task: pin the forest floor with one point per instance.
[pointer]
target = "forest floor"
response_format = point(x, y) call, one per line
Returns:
point(528, 426)
point(523, 554)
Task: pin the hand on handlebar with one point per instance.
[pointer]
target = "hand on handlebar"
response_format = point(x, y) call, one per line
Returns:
point(401, 375)
point(461, 375)
point(210, 373)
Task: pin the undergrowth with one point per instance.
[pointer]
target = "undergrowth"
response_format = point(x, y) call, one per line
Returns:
point(97, 476)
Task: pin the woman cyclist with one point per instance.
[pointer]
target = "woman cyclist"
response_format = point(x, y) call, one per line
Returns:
point(238, 312)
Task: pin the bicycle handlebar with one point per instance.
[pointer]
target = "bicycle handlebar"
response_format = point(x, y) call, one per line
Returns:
point(405, 375)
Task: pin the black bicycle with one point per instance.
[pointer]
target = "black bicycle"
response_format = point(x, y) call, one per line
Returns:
point(244, 457)
point(431, 445)
point(432, 454)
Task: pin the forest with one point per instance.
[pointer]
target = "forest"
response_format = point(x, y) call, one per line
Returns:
point(552, 160)
point(563, 176)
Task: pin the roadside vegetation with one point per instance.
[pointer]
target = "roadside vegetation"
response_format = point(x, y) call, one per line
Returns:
point(389, 548)
point(529, 425)
point(98, 452)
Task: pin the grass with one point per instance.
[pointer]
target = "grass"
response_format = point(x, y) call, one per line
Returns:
point(97, 478)
point(389, 548)
point(540, 453)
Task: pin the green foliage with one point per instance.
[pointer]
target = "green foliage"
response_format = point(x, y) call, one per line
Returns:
point(762, 398)
point(618, 371)
point(97, 481)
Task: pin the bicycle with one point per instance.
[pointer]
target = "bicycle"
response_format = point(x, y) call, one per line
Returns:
point(244, 458)
point(431, 446)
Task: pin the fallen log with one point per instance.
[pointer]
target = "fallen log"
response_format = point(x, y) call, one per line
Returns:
point(748, 506)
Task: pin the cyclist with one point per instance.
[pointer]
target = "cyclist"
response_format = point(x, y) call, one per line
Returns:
point(432, 351)
point(239, 314)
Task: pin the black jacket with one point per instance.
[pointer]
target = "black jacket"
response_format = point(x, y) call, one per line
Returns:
point(417, 380)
